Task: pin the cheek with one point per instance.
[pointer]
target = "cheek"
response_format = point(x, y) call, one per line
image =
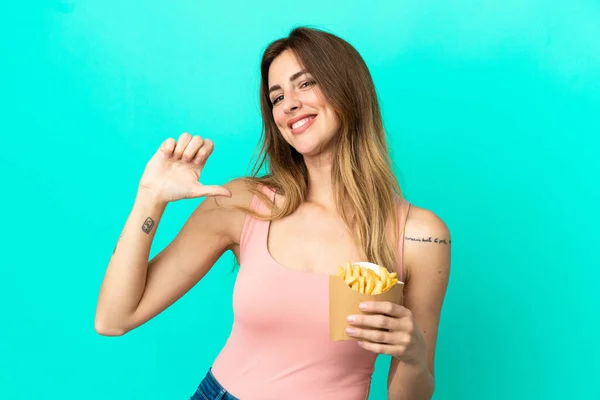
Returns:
point(332, 121)
point(336, 121)
point(279, 118)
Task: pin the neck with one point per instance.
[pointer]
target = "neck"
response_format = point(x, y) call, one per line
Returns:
point(320, 187)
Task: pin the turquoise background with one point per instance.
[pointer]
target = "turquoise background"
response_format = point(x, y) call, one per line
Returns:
point(493, 111)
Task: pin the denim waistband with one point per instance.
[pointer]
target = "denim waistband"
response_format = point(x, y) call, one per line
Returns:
point(212, 388)
point(211, 382)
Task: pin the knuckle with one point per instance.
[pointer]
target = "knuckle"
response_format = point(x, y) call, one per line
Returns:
point(400, 349)
point(405, 339)
point(388, 307)
point(382, 322)
point(379, 337)
point(202, 152)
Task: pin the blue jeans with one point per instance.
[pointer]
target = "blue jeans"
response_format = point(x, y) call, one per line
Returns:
point(211, 389)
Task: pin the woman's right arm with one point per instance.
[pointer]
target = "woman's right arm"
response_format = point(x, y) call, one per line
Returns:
point(134, 290)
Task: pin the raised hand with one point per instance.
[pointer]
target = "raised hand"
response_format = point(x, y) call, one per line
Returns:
point(173, 172)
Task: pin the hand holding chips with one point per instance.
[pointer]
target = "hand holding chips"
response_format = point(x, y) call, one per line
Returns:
point(365, 280)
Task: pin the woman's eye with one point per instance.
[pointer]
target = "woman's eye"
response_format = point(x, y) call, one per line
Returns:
point(303, 85)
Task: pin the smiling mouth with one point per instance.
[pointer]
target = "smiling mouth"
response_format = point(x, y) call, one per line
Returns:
point(303, 121)
point(302, 125)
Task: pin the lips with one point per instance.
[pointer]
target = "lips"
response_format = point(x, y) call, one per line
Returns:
point(302, 123)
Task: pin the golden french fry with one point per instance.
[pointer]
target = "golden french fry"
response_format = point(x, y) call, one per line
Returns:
point(383, 273)
point(342, 273)
point(355, 285)
point(384, 288)
point(391, 284)
point(370, 284)
point(387, 286)
point(378, 287)
point(348, 270)
point(350, 279)
point(393, 275)
point(361, 284)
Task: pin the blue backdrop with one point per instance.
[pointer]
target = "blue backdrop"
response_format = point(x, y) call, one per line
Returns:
point(493, 114)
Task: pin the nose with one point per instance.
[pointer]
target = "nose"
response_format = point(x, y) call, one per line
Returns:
point(291, 104)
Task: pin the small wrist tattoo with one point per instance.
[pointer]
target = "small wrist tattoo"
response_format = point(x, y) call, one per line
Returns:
point(148, 224)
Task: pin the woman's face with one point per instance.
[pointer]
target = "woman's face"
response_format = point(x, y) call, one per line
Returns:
point(303, 116)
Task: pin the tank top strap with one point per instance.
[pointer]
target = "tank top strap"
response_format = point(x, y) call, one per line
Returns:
point(254, 231)
point(404, 208)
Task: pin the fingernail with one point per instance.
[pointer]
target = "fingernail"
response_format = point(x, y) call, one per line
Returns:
point(362, 306)
point(350, 331)
point(351, 318)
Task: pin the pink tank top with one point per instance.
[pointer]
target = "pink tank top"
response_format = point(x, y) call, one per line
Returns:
point(279, 346)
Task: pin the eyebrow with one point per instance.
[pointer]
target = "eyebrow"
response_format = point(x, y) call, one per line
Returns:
point(292, 78)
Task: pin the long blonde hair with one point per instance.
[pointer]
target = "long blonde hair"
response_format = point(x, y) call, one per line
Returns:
point(362, 175)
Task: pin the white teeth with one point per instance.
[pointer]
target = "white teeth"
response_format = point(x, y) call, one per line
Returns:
point(301, 122)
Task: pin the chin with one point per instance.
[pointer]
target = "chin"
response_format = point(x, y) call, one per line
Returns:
point(310, 150)
point(309, 145)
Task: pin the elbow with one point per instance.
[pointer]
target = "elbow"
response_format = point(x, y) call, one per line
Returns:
point(105, 328)
point(107, 331)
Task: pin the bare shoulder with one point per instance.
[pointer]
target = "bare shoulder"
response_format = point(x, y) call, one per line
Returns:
point(241, 194)
point(427, 242)
point(227, 209)
point(425, 226)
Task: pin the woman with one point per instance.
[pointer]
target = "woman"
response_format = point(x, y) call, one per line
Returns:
point(329, 196)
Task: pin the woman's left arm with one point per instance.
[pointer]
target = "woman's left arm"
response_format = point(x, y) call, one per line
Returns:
point(411, 330)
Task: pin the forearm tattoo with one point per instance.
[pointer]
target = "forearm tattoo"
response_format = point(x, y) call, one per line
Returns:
point(148, 225)
point(429, 240)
